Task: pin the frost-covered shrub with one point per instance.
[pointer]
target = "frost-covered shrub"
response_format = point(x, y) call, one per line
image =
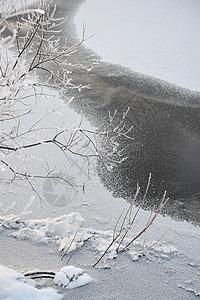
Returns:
point(34, 77)
point(29, 48)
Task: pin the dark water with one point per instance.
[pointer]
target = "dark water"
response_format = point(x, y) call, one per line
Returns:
point(166, 127)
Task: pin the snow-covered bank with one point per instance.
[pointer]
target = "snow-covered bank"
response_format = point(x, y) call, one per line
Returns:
point(157, 38)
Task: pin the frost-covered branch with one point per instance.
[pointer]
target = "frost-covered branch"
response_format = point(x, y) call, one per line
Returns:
point(29, 110)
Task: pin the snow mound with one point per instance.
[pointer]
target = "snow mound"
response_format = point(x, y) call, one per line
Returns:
point(70, 277)
point(60, 230)
point(14, 286)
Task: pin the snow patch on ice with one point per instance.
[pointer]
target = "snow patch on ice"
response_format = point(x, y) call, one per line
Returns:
point(152, 250)
point(135, 255)
point(67, 232)
point(165, 249)
point(14, 286)
point(60, 230)
point(70, 277)
point(101, 244)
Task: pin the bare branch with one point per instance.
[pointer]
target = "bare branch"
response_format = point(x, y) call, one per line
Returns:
point(118, 238)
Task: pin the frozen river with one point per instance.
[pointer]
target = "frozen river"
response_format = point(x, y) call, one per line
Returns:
point(158, 38)
point(166, 142)
point(165, 117)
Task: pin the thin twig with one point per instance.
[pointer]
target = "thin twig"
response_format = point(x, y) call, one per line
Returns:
point(75, 234)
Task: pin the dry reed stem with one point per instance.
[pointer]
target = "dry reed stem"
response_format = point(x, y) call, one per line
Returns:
point(118, 237)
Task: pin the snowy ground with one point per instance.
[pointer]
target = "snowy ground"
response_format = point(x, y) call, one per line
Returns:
point(170, 268)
